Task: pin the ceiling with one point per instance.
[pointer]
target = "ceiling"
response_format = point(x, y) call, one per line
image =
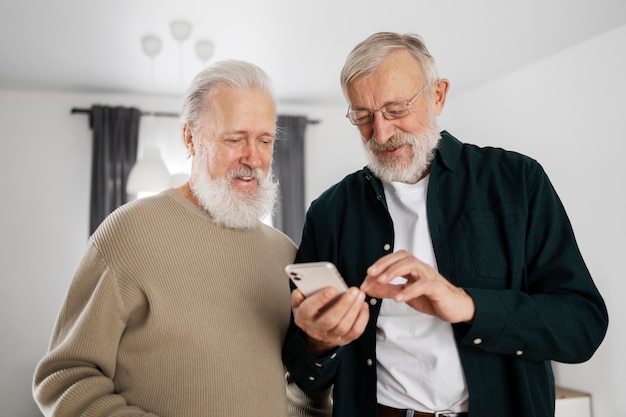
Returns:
point(95, 46)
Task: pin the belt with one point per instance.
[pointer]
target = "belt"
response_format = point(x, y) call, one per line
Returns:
point(384, 411)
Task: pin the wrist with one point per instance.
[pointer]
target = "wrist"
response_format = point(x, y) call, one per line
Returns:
point(317, 347)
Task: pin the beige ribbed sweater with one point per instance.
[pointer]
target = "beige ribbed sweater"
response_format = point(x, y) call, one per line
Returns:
point(171, 315)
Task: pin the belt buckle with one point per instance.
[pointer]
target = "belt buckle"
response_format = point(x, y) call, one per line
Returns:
point(444, 413)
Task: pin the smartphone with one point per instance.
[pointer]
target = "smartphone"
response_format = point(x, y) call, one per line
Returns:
point(311, 277)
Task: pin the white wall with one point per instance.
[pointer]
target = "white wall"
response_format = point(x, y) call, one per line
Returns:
point(550, 111)
point(45, 160)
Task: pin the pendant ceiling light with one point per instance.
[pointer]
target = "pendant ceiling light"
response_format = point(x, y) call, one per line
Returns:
point(204, 50)
point(181, 30)
point(149, 174)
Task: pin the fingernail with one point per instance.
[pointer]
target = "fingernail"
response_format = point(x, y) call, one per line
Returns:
point(353, 292)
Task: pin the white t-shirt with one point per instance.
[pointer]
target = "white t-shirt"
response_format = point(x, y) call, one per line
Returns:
point(418, 362)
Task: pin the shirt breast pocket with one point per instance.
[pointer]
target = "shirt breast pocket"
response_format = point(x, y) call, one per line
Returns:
point(496, 241)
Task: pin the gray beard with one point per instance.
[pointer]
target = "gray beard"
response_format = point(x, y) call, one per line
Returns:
point(230, 208)
point(390, 170)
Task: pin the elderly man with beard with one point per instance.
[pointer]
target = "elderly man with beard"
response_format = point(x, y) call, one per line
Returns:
point(180, 306)
point(466, 279)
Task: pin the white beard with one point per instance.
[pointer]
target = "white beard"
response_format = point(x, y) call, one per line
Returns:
point(390, 169)
point(228, 207)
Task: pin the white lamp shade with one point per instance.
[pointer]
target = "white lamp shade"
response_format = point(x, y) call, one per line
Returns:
point(151, 45)
point(149, 174)
point(181, 29)
point(204, 50)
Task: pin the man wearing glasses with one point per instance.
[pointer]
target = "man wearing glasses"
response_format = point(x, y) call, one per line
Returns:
point(466, 279)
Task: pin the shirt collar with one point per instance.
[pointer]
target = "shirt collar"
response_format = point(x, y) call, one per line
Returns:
point(449, 150)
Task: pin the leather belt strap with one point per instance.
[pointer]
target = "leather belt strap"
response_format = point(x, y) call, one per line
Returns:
point(384, 411)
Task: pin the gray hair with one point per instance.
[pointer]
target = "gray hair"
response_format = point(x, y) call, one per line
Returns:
point(370, 53)
point(239, 75)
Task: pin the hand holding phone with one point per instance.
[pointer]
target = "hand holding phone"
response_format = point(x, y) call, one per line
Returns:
point(319, 320)
point(311, 277)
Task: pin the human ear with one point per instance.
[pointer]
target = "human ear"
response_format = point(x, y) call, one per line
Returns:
point(441, 90)
point(188, 139)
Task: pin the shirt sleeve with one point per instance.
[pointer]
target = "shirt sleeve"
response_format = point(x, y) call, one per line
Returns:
point(311, 374)
point(558, 313)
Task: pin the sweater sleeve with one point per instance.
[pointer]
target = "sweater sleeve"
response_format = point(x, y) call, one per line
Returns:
point(75, 377)
point(301, 404)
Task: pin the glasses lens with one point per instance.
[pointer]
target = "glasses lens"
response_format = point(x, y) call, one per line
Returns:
point(395, 110)
point(360, 117)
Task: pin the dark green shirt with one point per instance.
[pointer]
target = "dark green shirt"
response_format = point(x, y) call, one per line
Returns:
point(500, 232)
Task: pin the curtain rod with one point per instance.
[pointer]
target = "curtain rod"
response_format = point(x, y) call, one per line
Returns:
point(76, 110)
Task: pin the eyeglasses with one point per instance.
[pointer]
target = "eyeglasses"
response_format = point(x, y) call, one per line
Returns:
point(389, 111)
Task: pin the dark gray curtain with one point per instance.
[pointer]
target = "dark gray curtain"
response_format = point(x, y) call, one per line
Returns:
point(289, 169)
point(115, 135)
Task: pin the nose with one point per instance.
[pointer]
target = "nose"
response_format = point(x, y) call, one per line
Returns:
point(251, 155)
point(382, 129)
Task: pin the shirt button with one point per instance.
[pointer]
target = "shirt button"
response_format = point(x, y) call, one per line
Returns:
point(387, 246)
point(333, 356)
point(519, 352)
point(311, 378)
point(369, 362)
point(373, 301)
point(319, 365)
point(478, 341)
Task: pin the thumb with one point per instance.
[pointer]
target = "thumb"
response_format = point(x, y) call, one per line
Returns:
point(296, 298)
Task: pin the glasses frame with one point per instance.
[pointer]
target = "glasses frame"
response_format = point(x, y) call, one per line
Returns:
point(382, 111)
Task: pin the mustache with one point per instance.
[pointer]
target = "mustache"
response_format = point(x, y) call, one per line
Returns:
point(245, 172)
point(392, 143)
